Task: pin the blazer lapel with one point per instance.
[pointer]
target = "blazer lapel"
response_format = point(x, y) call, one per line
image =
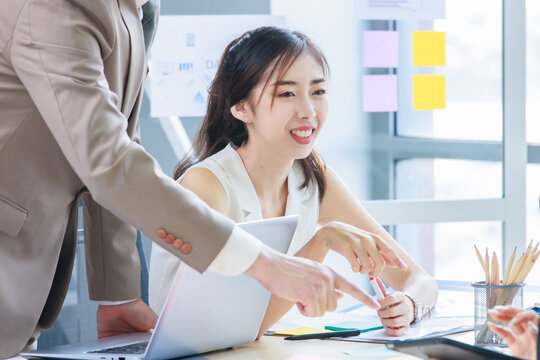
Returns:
point(250, 206)
point(130, 16)
point(300, 202)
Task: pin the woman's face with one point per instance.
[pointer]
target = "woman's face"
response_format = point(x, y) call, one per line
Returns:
point(289, 113)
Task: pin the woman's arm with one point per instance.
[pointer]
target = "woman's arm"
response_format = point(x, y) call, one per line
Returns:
point(339, 204)
point(350, 242)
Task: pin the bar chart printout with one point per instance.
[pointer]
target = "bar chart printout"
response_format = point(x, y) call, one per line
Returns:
point(401, 9)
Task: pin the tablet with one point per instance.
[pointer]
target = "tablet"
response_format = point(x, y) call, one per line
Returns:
point(445, 349)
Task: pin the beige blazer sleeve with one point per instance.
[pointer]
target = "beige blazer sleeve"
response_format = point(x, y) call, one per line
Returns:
point(110, 241)
point(62, 67)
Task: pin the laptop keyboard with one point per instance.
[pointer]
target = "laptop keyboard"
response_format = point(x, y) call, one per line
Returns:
point(138, 348)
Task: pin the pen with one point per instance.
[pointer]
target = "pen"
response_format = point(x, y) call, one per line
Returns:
point(375, 285)
point(336, 328)
point(324, 335)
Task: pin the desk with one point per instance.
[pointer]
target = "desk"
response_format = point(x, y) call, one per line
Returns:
point(275, 348)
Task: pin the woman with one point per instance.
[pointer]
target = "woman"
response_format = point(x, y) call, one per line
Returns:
point(255, 159)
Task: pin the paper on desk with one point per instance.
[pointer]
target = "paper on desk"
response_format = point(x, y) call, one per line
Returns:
point(375, 352)
point(436, 326)
point(306, 357)
point(452, 314)
point(454, 304)
point(428, 328)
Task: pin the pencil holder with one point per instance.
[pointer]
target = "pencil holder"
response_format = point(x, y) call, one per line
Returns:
point(487, 297)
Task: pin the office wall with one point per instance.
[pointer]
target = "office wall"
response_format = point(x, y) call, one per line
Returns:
point(152, 136)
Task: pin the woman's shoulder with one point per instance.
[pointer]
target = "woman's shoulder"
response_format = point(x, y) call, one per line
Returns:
point(205, 184)
point(213, 164)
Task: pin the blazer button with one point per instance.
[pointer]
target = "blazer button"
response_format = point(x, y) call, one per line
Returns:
point(186, 248)
point(178, 243)
point(170, 238)
point(161, 233)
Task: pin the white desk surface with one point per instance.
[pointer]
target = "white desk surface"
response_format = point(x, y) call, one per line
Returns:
point(275, 348)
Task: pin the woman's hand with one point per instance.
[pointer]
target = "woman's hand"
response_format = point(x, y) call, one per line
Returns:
point(522, 337)
point(367, 252)
point(396, 313)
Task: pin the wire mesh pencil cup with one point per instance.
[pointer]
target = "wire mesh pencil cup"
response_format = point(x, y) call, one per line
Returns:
point(487, 297)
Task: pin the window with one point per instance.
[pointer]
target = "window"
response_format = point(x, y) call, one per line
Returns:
point(440, 180)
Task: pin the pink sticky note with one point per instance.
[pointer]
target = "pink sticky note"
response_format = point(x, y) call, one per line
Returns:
point(381, 49)
point(380, 93)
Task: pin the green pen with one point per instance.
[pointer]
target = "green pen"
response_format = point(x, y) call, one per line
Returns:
point(336, 328)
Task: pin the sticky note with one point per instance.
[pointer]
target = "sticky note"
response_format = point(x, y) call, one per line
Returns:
point(380, 49)
point(300, 331)
point(429, 48)
point(429, 92)
point(379, 93)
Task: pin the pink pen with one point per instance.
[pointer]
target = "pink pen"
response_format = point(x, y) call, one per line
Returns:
point(375, 285)
point(378, 290)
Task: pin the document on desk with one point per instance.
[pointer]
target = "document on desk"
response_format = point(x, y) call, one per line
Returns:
point(453, 314)
point(428, 328)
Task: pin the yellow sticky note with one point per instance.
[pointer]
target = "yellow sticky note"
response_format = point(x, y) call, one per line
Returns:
point(429, 48)
point(429, 92)
point(300, 331)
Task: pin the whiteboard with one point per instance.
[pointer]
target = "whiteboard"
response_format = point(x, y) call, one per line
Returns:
point(401, 9)
point(185, 57)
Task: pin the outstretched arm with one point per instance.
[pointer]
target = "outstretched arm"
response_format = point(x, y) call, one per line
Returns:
point(339, 204)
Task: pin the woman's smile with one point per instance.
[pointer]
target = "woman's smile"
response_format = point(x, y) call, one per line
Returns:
point(303, 135)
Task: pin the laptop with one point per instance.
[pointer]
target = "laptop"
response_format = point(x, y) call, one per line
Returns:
point(203, 312)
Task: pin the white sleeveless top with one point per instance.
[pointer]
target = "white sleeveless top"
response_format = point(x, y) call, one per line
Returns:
point(243, 205)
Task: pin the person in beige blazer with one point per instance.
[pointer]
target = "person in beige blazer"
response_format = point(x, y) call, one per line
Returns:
point(71, 75)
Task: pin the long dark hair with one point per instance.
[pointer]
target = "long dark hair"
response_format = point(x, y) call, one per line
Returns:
point(242, 66)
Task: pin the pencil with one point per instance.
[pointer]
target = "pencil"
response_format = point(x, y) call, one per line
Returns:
point(488, 279)
point(529, 247)
point(528, 264)
point(535, 250)
point(533, 256)
point(495, 265)
point(516, 269)
point(509, 267)
point(479, 256)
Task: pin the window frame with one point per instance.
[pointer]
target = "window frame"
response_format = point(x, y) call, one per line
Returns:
point(510, 209)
